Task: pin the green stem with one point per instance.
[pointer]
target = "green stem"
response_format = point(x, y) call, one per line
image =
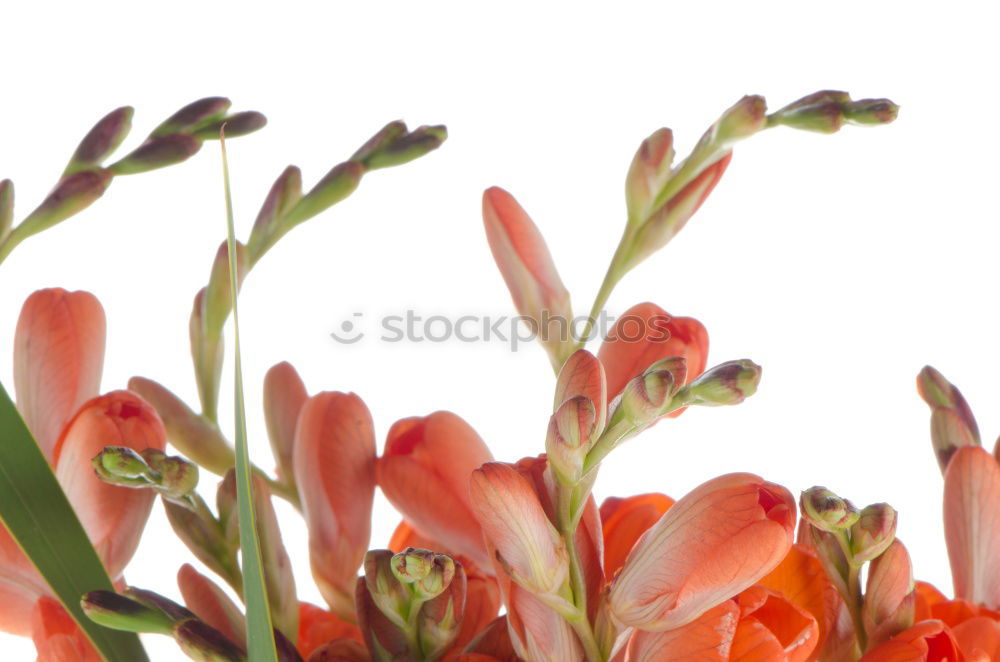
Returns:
point(580, 621)
point(855, 598)
point(611, 278)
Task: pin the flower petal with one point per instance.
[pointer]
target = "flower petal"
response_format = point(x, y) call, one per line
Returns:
point(972, 525)
point(284, 395)
point(58, 357)
point(624, 521)
point(211, 604)
point(708, 638)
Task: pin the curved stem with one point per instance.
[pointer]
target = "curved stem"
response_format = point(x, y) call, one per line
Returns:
point(580, 622)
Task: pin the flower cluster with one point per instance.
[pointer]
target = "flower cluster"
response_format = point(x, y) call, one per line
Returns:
point(495, 559)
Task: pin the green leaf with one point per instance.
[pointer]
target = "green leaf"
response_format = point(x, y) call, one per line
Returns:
point(260, 628)
point(41, 520)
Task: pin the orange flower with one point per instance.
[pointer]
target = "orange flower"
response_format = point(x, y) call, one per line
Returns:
point(624, 520)
point(927, 641)
point(717, 541)
point(643, 335)
point(318, 627)
point(425, 472)
point(58, 351)
point(56, 635)
point(334, 466)
point(772, 628)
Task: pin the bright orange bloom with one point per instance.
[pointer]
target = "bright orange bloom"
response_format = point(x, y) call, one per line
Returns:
point(927, 641)
point(643, 335)
point(425, 472)
point(718, 540)
point(334, 463)
point(58, 352)
point(772, 628)
point(318, 627)
point(708, 638)
point(624, 520)
point(972, 524)
point(56, 635)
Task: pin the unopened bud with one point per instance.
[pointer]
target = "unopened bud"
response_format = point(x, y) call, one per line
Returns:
point(387, 135)
point(157, 152)
point(339, 183)
point(427, 573)
point(218, 300)
point(101, 141)
point(826, 111)
point(193, 115)
point(743, 119)
point(118, 612)
point(387, 593)
point(827, 511)
point(177, 478)
point(648, 173)
point(570, 432)
point(268, 228)
point(115, 463)
point(645, 397)
point(952, 423)
point(728, 383)
point(237, 124)
point(441, 618)
point(6, 207)
point(207, 539)
point(70, 196)
point(873, 532)
point(153, 600)
point(202, 642)
point(406, 148)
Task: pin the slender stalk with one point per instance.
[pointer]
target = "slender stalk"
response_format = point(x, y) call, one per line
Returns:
point(855, 598)
point(580, 622)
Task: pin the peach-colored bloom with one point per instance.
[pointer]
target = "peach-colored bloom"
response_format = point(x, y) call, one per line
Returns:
point(772, 628)
point(492, 644)
point(708, 638)
point(211, 604)
point(59, 347)
point(972, 524)
point(624, 520)
point(527, 268)
point(644, 334)
point(334, 462)
point(284, 396)
point(528, 547)
point(425, 472)
point(717, 541)
point(890, 595)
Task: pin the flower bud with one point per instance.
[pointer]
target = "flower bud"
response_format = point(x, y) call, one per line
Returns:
point(425, 572)
point(728, 383)
point(871, 111)
point(6, 207)
point(827, 110)
point(583, 374)
point(647, 396)
point(387, 135)
point(384, 588)
point(952, 423)
point(193, 115)
point(873, 532)
point(237, 124)
point(743, 119)
point(339, 183)
point(176, 478)
point(284, 396)
point(207, 539)
point(157, 152)
point(70, 196)
point(571, 429)
point(101, 140)
point(407, 147)
point(269, 227)
point(202, 642)
point(120, 465)
point(118, 612)
point(440, 619)
point(648, 173)
point(827, 511)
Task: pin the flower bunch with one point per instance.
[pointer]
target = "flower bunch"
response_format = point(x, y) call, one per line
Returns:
point(515, 559)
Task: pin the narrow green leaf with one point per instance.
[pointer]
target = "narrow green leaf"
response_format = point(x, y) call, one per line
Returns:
point(39, 517)
point(260, 629)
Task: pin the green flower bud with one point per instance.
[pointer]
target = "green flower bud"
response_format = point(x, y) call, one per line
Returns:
point(339, 183)
point(118, 612)
point(570, 432)
point(193, 115)
point(406, 148)
point(237, 124)
point(203, 643)
point(952, 423)
point(156, 153)
point(645, 397)
point(826, 511)
point(70, 196)
point(728, 383)
point(121, 462)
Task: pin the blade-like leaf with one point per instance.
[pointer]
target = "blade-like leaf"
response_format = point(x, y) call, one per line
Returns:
point(39, 517)
point(260, 629)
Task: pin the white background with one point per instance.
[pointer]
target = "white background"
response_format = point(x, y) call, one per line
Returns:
point(841, 263)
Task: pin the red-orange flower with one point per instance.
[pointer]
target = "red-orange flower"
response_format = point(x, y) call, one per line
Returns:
point(717, 541)
point(425, 472)
point(58, 352)
point(927, 641)
point(624, 520)
point(643, 335)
